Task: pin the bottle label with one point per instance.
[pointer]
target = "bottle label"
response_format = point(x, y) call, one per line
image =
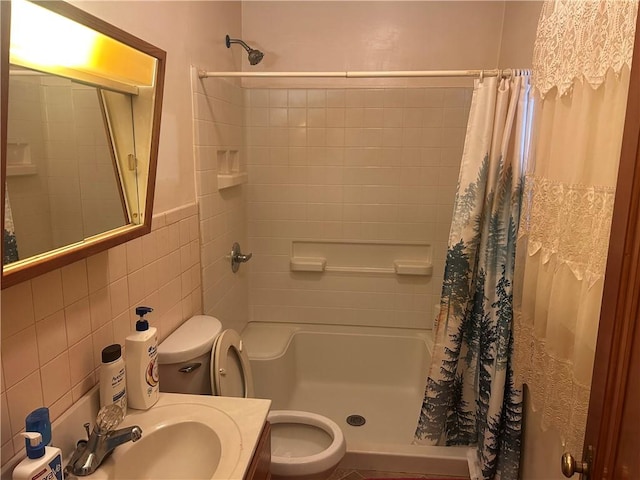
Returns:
point(118, 386)
point(118, 379)
point(151, 372)
point(53, 470)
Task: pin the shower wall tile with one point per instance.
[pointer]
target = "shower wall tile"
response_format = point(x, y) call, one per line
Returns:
point(51, 347)
point(358, 165)
point(222, 123)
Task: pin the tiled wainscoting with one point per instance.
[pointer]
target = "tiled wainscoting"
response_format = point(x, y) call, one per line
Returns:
point(55, 326)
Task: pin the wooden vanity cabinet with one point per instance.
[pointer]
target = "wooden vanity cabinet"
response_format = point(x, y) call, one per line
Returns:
point(260, 466)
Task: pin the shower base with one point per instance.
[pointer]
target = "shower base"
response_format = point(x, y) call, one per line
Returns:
point(369, 380)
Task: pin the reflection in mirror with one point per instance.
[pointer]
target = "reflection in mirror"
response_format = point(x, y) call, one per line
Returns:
point(79, 149)
point(62, 178)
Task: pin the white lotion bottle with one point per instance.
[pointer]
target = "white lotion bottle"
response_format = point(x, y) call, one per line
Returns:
point(113, 378)
point(42, 462)
point(141, 363)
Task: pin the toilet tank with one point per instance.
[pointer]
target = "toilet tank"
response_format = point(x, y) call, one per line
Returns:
point(184, 357)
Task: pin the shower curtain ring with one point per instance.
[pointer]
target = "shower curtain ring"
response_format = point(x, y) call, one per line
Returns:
point(481, 75)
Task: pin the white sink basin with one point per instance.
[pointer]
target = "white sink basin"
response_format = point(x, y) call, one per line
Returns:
point(175, 440)
point(189, 437)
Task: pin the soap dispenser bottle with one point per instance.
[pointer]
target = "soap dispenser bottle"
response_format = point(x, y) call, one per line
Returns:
point(141, 363)
point(41, 462)
point(38, 421)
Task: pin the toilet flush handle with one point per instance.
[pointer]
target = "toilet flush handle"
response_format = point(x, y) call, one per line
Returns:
point(237, 257)
point(190, 368)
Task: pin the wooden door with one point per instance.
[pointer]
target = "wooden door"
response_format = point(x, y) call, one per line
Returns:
point(613, 426)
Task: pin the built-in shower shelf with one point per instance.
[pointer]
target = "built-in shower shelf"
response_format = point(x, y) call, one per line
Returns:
point(232, 179)
point(231, 172)
point(19, 161)
point(361, 257)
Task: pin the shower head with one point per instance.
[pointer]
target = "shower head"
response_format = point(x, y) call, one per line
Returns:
point(254, 55)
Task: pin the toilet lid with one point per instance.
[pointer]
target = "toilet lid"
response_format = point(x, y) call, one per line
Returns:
point(230, 368)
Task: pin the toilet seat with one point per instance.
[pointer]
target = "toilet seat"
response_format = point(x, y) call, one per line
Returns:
point(230, 368)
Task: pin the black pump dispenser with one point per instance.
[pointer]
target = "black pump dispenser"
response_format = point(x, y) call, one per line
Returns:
point(142, 324)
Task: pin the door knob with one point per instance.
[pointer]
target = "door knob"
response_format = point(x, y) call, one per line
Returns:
point(570, 466)
point(237, 257)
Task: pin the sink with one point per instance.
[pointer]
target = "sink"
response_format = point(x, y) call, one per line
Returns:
point(181, 462)
point(175, 440)
point(188, 436)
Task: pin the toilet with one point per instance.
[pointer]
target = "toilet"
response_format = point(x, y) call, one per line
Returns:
point(200, 358)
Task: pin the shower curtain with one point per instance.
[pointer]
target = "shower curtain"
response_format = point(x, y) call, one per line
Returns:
point(470, 396)
point(581, 67)
point(10, 244)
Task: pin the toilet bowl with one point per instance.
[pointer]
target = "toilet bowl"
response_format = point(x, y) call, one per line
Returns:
point(200, 358)
point(306, 446)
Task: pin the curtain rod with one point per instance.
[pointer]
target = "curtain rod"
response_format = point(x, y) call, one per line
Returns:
point(372, 74)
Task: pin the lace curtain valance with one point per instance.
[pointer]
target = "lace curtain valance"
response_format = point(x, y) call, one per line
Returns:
point(582, 39)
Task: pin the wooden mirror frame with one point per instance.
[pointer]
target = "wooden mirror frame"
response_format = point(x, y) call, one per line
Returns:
point(60, 257)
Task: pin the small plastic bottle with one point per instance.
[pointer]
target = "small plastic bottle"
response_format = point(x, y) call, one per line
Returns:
point(142, 365)
point(113, 378)
point(41, 462)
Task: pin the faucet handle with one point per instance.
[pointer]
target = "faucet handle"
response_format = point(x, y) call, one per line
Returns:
point(237, 257)
point(109, 417)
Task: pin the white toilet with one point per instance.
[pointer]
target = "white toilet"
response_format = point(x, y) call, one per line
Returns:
point(200, 358)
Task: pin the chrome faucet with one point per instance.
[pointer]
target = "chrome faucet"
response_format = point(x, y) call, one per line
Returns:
point(90, 454)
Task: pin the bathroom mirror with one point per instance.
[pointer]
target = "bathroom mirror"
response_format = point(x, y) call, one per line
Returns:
point(81, 104)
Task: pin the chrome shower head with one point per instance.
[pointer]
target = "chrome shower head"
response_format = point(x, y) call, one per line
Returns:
point(254, 55)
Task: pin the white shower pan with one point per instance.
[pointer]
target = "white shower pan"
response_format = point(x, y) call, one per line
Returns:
point(369, 380)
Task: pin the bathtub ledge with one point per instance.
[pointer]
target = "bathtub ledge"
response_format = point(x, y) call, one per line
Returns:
point(450, 461)
point(265, 340)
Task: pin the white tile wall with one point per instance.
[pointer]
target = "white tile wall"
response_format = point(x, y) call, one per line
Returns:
point(350, 164)
point(218, 127)
point(55, 326)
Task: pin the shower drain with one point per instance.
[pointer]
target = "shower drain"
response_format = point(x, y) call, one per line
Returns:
point(356, 420)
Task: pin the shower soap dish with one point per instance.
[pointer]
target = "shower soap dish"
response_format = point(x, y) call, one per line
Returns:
point(408, 267)
point(307, 264)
